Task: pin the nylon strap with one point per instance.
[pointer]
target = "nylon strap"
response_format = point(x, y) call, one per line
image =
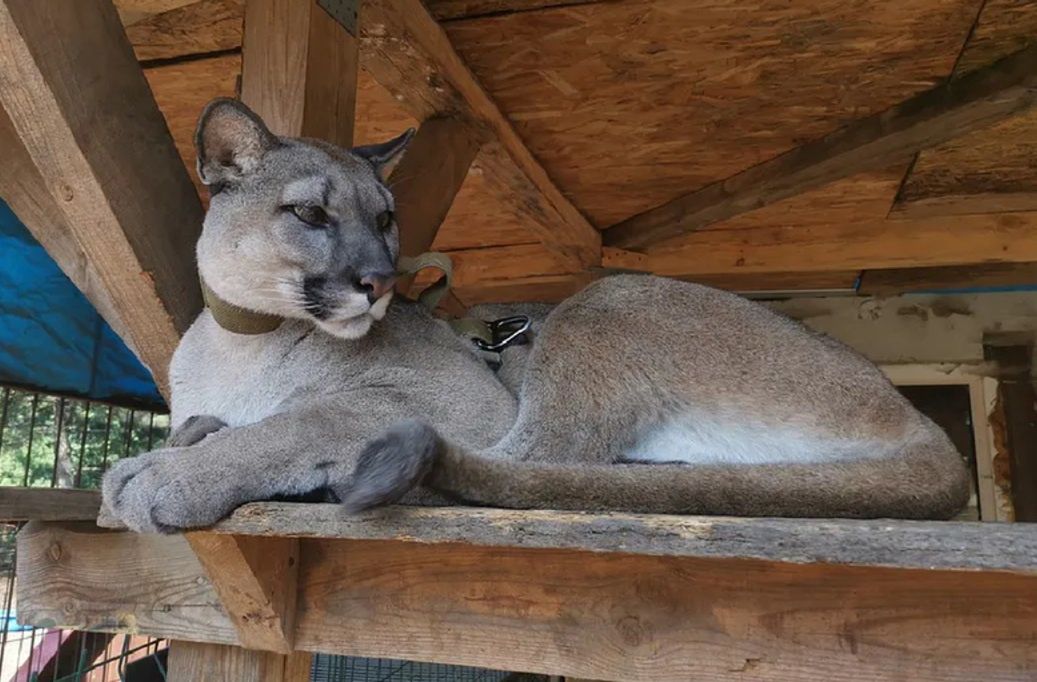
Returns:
point(236, 319)
point(240, 320)
point(434, 293)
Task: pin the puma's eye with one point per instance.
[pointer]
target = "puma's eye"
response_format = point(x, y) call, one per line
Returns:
point(384, 220)
point(314, 216)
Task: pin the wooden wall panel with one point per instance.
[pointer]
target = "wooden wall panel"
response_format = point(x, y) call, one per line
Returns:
point(631, 104)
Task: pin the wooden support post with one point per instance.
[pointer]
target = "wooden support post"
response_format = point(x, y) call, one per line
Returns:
point(256, 580)
point(299, 74)
point(401, 40)
point(425, 183)
point(83, 111)
point(298, 70)
point(195, 662)
point(1019, 401)
point(975, 101)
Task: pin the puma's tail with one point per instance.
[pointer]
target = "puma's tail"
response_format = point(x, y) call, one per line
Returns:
point(925, 478)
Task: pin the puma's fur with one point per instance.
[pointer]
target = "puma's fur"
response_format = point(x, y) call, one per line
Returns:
point(638, 394)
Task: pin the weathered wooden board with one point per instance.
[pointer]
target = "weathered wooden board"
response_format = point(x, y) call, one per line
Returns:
point(991, 170)
point(85, 578)
point(614, 615)
point(888, 543)
point(625, 617)
point(630, 104)
point(48, 504)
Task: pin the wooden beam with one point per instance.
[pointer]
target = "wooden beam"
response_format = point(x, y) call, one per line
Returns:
point(401, 39)
point(951, 277)
point(48, 504)
point(632, 611)
point(977, 100)
point(428, 178)
point(1006, 238)
point(23, 189)
point(966, 204)
point(195, 662)
point(298, 70)
point(445, 10)
point(256, 580)
point(198, 27)
point(1018, 399)
point(76, 97)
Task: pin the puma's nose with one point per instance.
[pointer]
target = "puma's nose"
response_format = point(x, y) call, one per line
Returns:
point(377, 284)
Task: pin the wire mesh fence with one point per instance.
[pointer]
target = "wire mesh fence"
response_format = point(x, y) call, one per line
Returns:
point(56, 441)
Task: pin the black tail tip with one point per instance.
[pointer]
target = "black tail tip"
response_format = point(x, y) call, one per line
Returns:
point(391, 466)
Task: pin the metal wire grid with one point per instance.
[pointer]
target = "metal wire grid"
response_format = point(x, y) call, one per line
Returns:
point(352, 669)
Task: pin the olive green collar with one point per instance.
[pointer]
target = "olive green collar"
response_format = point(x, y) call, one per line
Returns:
point(238, 320)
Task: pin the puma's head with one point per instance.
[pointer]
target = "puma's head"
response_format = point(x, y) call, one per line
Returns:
point(297, 228)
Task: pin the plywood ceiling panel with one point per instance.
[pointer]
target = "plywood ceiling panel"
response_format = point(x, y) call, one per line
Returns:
point(631, 104)
point(991, 169)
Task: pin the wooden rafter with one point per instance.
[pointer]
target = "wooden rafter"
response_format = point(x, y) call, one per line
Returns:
point(975, 101)
point(409, 54)
point(76, 96)
point(445, 10)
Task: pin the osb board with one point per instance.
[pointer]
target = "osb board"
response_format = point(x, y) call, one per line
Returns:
point(987, 163)
point(631, 104)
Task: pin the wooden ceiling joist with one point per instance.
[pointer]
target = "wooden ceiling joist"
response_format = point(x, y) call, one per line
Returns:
point(82, 109)
point(409, 54)
point(975, 101)
point(299, 70)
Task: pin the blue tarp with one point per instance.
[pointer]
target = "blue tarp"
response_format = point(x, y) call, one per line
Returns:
point(51, 338)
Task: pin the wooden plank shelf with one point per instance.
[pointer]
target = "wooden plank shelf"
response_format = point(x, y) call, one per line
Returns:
point(601, 596)
point(883, 542)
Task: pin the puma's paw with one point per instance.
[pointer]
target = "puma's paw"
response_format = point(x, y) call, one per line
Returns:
point(164, 491)
point(391, 466)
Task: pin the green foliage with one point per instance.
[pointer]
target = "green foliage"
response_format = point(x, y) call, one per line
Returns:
point(34, 451)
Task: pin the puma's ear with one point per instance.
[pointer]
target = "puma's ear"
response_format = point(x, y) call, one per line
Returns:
point(230, 141)
point(385, 155)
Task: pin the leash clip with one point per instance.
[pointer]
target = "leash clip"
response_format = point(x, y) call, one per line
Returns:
point(506, 331)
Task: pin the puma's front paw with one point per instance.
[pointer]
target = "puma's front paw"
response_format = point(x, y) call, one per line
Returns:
point(165, 491)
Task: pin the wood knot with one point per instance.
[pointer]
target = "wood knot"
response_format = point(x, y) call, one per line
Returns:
point(630, 630)
point(55, 551)
point(66, 193)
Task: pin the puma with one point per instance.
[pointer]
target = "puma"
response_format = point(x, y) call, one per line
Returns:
point(637, 394)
